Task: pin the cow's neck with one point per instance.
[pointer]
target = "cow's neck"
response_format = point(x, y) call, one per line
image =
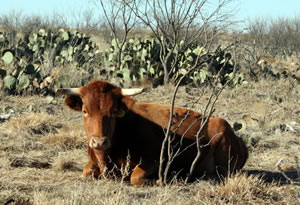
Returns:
point(157, 113)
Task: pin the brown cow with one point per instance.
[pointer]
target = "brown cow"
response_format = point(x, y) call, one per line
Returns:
point(117, 125)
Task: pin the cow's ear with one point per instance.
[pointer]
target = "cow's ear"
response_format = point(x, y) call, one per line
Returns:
point(74, 102)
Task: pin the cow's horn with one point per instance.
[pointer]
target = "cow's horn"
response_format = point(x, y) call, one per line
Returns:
point(131, 91)
point(68, 91)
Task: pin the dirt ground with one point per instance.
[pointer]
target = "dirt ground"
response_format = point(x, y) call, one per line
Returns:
point(43, 150)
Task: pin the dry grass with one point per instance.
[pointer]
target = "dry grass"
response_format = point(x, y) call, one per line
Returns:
point(49, 132)
point(37, 123)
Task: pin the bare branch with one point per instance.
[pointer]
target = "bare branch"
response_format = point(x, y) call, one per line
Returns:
point(282, 172)
point(176, 21)
point(119, 15)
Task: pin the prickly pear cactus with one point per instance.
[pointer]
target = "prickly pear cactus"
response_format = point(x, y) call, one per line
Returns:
point(40, 62)
point(32, 59)
point(7, 57)
point(140, 60)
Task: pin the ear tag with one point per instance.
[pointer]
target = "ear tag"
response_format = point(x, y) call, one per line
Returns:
point(120, 113)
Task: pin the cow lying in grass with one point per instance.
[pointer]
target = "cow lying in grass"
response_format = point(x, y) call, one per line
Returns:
point(117, 125)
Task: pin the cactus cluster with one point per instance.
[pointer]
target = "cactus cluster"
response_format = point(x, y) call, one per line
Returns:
point(139, 60)
point(24, 62)
point(28, 64)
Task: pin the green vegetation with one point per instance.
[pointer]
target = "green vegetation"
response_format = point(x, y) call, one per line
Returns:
point(24, 68)
point(140, 61)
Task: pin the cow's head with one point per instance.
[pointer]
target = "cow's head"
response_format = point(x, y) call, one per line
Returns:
point(101, 104)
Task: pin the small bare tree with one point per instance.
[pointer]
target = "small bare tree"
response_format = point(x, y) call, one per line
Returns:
point(272, 37)
point(284, 37)
point(85, 19)
point(168, 151)
point(257, 30)
point(12, 21)
point(179, 24)
point(121, 21)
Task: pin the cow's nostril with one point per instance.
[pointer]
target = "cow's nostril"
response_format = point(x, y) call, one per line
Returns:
point(99, 143)
point(93, 143)
point(104, 141)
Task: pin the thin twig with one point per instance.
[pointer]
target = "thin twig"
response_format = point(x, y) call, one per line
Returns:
point(282, 172)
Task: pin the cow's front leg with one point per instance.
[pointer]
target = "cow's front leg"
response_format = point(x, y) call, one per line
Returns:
point(91, 170)
point(97, 164)
point(140, 174)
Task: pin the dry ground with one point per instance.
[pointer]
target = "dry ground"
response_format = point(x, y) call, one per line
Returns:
point(43, 150)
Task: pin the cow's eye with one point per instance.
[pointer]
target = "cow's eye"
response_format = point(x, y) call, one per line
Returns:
point(84, 112)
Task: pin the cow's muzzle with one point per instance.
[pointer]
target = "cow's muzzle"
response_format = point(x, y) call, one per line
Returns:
point(99, 143)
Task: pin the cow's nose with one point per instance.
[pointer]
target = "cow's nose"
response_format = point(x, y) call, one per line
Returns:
point(99, 143)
